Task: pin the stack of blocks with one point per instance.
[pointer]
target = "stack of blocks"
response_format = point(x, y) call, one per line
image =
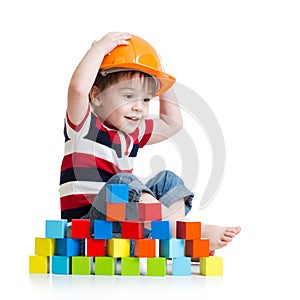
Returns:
point(64, 255)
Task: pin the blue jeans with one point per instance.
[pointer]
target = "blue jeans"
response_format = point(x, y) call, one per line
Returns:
point(166, 187)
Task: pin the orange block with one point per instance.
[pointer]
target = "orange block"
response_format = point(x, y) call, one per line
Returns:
point(144, 248)
point(188, 230)
point(197, 248)
point(115, 211)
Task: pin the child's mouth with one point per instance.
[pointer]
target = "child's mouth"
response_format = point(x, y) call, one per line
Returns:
point(133, 118)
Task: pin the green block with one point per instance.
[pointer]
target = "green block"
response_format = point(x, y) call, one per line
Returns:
point(156, 266)
point(104, 265)
point(130, 266)
point(81, 265)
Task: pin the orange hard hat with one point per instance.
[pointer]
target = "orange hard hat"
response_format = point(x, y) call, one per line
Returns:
point(138, 55)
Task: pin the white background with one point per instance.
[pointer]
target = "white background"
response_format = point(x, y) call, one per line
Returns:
point(241, 57)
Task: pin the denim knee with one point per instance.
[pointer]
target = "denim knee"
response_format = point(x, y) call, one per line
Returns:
point(136, 187)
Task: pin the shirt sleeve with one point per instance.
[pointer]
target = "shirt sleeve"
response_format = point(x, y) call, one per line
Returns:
point(146, 132)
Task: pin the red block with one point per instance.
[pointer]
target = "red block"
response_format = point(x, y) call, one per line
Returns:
point(197, 248)
point(132, 230)
point(149, 211)
point(95, 247)
point(144, 248)
point(80, 229)
point(188, 230)
point(115, 211)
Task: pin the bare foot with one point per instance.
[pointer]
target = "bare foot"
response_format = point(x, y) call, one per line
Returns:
point(219, 236)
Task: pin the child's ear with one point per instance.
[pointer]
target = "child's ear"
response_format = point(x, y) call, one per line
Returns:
point(95, 96)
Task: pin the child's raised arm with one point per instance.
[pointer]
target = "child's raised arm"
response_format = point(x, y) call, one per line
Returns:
point(170, 119)
point(86, 72)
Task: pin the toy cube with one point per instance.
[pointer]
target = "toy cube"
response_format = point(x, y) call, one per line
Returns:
point(105, 265)
point(38, 264)
point(80, 228)
point(130, 266)
point(44, 246)
point(56, 228)
point(132, 230)
point(81, 265)
point(115, 211)
point(145, 248)
point(103, 229)
point(60, 265)
point(117, 247)
point(156, 266)
point(188, 230)
point(197, 248)
point(117, 193)
point(95, 247)
point(181, 266)
point(171, 248)
point(150, 211)
point(211, 266)
point(161, 230)
point(131, 211)
point(68, 247)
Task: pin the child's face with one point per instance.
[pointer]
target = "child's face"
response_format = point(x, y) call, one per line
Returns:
point(124, 105)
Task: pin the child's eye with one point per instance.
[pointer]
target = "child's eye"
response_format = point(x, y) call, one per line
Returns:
point(146, 100)
point(128, 96)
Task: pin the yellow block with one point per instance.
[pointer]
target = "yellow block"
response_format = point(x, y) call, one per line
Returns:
point(211, 266)
point(44, 246)
point(38, 264)
point(117, 247)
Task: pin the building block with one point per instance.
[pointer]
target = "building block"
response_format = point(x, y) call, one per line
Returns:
point(67, 247)
point(80, 228)
point(60, 265)
point(56, 228)
point(188, 230)
point(81, 265)
point(131, 211)
point(103, 229)
point(181, 266)
point(105, 265)
point(145, 248)
point(161, 230)
point(156, 266)
point(197, 248)
point(115, 211)
point(44, 246)
point(130, 266)
point(118, 247)
point(132, 230)
point(38, 264)
point(95, 247)
point(149, 211)
point(171, 248)
point(211, 266)
point(117, 193)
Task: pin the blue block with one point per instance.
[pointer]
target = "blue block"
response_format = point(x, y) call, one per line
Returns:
point(161, 230)
point(67, 247)
point(103, 229)
point(60, 265)
point(56, 228)
point(117, 193)
point(171, 248)
point(181, 266)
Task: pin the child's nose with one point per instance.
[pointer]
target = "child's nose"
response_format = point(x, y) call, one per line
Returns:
point(137, 105)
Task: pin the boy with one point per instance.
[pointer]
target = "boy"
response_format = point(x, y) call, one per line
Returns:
point(107, 123)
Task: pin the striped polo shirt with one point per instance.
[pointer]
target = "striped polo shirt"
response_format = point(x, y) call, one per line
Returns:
point(93, 153)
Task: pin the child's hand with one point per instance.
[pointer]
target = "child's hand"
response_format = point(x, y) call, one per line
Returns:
point(111, 40)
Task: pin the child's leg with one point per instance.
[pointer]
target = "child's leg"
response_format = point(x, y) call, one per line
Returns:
point(169, 189)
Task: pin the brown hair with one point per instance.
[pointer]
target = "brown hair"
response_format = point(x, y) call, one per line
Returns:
point(104, 82)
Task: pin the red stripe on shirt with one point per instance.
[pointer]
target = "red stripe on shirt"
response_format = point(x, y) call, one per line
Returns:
point(76, 201)
point(83, 160)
